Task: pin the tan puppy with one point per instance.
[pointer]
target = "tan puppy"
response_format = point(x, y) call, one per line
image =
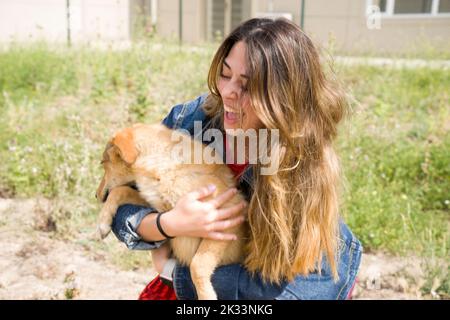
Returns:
point(142, 155)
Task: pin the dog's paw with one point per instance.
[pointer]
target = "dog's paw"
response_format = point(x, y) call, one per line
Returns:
point(103, 230)
point(207, 295)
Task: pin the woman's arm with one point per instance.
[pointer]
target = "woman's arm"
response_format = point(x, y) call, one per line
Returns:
point(191, 217)
point(148, 230)
point(126, 223)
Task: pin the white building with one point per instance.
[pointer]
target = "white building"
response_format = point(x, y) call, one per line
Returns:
point(398, 25)
point(25, 20)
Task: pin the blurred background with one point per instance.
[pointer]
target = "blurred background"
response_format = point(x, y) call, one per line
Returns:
point(353, 26)
point(72, 72)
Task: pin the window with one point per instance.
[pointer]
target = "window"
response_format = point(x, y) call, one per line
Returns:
point(412, 6)
point(416, 8)
point(380, 4)
point(444, 6)
point(223, 17)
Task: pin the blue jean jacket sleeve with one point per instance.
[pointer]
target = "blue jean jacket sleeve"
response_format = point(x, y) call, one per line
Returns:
point(125, 224)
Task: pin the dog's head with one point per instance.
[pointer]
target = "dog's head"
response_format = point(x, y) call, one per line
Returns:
point(119, 156)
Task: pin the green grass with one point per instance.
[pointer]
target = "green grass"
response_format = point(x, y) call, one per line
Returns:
point(395, 153)
point(59, 105)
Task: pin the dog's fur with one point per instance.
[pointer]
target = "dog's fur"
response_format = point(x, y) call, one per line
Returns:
point(142, 155)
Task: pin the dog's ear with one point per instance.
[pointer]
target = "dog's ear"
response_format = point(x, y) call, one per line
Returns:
point(124, 141)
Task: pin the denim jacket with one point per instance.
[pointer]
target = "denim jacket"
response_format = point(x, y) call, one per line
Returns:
point(232, 282)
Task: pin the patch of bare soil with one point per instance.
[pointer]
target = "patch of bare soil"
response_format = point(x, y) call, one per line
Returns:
point(385, 277)
point(35, 266)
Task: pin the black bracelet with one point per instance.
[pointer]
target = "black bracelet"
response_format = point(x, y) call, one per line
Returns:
point(158, 224)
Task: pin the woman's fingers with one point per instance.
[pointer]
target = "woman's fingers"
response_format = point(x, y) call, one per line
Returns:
point(225, 224)
point(225, 213)
point(222, 198)
point(222, 222)
point(203, 192)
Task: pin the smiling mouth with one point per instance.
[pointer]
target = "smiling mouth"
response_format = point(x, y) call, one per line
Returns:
point(231, 116)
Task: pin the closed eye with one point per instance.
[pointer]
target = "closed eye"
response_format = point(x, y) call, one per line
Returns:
point(225, 65)
point(243, 88)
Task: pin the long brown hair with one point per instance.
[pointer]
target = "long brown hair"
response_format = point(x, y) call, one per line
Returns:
point(293, 214)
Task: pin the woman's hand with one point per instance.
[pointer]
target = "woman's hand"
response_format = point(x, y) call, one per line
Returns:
point(160, 257)
point(192, 217)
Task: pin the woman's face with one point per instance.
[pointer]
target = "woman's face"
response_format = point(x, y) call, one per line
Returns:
point(232, 88)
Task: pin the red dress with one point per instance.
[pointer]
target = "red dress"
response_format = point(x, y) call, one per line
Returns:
point(158, 290)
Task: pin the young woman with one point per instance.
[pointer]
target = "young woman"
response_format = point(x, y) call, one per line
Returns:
point(265, 75)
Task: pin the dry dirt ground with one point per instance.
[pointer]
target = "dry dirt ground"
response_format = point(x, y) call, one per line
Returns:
point(35, 265)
